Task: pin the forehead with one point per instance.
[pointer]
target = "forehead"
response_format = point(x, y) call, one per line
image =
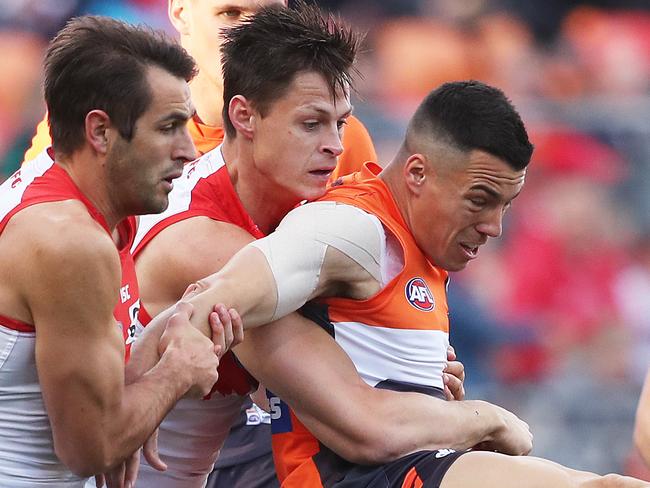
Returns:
point(488, 173)
point(245, 5)
point(168, 94)
point(309, 91)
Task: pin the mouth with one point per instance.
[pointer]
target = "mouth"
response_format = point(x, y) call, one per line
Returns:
point(322, 172)
point(470, 250)
point(170, 178)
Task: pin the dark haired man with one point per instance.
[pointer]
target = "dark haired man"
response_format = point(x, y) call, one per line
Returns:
point(286, 81)
point(118, 102)
point(375, 253)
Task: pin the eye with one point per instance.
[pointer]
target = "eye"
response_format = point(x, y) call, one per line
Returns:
point(232, 14)
point(478, 202)
point(310, 125)
point(341, 124)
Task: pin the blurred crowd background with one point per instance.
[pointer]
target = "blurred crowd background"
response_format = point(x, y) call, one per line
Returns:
point(553, 320)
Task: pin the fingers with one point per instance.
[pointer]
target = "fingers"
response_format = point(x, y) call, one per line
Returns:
point(454, 389)
point(115, 477)
point(228, 324)
point(451, 353)
point(190, 291)
point(131, 469)
point(218, 333)
point(150, 452)
point(237, 327)
point(182, 312)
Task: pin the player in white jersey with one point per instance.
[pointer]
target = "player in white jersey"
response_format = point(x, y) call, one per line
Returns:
point(118, 102)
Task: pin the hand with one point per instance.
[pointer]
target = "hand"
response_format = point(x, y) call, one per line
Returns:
point(227, 328)
point(150, 452)
point(121, 476)
point(512, 437)
point(453, 377)
point(194, 353)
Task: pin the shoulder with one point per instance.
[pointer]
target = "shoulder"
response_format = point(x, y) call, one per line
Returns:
point(63, 235)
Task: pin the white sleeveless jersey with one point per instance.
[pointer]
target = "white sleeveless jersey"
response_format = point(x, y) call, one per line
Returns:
point(194, 431)
point(27, 457)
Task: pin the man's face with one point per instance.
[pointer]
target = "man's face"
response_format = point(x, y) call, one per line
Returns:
point(296, 143)
point(203, 21)
point(462, 205)
point(141, 170)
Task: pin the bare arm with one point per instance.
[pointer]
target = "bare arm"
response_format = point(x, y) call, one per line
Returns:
point(642, 422)
point(181, 254)
point(70, 286)
point(298, 360)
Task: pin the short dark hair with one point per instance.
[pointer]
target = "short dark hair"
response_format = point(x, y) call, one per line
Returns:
point(472, 115)
point(99, 63)
point(261, 56)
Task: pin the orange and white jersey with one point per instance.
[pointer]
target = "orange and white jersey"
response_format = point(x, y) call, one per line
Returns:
point(397, 339)
point(401, 334)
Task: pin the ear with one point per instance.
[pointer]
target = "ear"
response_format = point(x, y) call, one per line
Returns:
point(96, 127)
point(415, 172)
point(242, 116)
point(177, 11)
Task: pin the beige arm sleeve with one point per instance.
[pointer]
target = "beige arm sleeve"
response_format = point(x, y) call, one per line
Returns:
point(296, 250)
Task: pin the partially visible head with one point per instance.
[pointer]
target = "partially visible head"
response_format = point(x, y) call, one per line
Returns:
point(464, 160)
point(122, 91)
point(200, 24)
point(287, 78)
point(98, 63)
point(263, 55)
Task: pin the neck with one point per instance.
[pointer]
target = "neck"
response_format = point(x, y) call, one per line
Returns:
point(85, 169)
point(208, 100)
point(392, 176)
point(260, 199)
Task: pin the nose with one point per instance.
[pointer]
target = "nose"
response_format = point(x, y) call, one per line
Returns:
point(184, 148)
point(492, 224)
point(332, 143)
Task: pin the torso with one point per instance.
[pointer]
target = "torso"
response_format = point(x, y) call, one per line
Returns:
point(397, 338)
point(26, 451)
point(191, 435)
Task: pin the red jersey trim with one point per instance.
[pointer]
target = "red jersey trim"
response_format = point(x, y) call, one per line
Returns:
point(17, 325)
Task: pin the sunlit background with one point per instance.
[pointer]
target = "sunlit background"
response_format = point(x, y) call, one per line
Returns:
point(553, 320)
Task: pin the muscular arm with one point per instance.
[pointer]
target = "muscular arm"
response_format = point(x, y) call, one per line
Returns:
point(298, 361)
point(181, 254)
point(642, 422)
point(69, 279)
point(303, 259)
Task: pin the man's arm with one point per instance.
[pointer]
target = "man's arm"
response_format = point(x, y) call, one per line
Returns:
point(642, 422)
point(69, 278)
point(181, 254)
point(298, 361)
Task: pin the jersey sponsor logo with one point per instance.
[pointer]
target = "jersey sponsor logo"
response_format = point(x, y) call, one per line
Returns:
point(418, 294)
point(135, 327)
point(440, 453)
point(280, 414)
point(124, 294)
point(256, 416)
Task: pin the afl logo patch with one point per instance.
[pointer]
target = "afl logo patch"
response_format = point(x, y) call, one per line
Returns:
point(419, 295)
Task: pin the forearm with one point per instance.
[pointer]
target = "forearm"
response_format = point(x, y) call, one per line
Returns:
point(401, 423)
point(145, 350)
point(245, 284)
point(299, 357)
point(145, 402)
point(642, 423)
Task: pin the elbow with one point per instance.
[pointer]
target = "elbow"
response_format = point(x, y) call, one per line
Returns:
point(371, 446)
point(84, 459)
